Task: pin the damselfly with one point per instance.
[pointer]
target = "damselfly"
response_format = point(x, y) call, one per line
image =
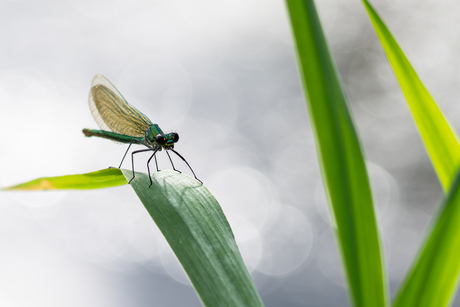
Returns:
point(123, 123)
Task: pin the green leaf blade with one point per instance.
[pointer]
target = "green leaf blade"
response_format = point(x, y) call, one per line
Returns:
point(433, 279)
point(106, 178)
point(342, 162)
point(194, 225)
point(440, 140)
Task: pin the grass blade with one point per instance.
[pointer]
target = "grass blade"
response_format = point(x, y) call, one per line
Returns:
point(433, 279)
point(440, 140)
point(195, 227)
point(106, 178)
point(341, 159)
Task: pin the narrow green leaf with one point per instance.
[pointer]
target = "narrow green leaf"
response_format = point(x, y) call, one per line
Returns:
point(440, 141)
point(195, 227)
point(106, 178)
point(433, 279)
point(341, 159)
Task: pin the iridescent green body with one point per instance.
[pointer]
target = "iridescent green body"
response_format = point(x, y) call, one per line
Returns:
point(149, 137)
point(123, 123)
point(116, 137)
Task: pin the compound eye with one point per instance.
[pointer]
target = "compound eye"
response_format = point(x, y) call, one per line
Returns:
point(160, 139)
point(175, 137)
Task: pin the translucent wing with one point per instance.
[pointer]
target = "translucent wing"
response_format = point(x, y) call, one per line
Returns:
point(112, 112)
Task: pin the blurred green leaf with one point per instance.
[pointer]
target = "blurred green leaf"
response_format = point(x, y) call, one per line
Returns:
point(433, 279)
point(341, 158)
point(197, 230)
point(106, 178)
point(440, 140)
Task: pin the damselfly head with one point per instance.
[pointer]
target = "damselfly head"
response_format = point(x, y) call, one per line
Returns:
point(175, 137)
point(167, 140)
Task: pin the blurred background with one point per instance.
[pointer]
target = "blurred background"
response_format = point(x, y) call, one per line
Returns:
point(223, 75)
